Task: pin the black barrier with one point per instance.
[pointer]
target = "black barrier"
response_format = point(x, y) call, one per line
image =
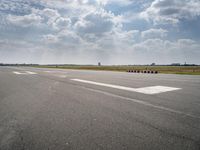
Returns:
point(143, 71)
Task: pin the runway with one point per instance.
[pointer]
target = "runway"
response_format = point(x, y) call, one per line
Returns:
point(55, 109)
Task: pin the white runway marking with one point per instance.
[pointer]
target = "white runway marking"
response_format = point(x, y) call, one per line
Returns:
point(145, 90)
point(145, 103)
point(24, 73)
point(29, 72)
point(155, 89)
point(15, 72)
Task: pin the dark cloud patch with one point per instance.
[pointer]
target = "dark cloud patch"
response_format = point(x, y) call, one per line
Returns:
point(169, 11)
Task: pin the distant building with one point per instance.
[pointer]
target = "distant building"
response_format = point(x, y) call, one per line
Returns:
point(99, 63)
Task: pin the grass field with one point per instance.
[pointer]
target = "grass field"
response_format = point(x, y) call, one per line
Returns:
point(187, 70)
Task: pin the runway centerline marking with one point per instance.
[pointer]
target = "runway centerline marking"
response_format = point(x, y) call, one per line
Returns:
point(145, 90)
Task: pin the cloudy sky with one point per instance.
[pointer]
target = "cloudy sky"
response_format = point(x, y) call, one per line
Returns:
point(109, 31)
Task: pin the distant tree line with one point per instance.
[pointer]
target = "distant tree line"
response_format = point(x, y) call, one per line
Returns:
point(175, 64)
point(5, 64)
point(59, 65)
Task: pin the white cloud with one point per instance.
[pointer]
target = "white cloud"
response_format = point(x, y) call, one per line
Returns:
point(120, 2)
point(154, 33)
point(165, 51)
point(24, 21)
point(171, 11)
point(73, 7)
point(50, 38)
point(84, 31)
point(47, 12)
point(62, 3)
point(97, 22)
point(16, 6)
point(186, 42)
point(61, 23)
point(47, 17)
point(53, 18)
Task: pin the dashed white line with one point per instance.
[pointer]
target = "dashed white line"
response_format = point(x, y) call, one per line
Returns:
point(145, 90)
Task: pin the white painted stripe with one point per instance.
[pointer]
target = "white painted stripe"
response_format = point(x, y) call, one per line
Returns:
point(155, 89)
point(24, 73)
point(29, 72)
point(145, 90)
point(15, 72)
point(106, 85)
point(145, 103)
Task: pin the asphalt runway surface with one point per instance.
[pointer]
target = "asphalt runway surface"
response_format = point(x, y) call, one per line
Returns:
point(54, 109)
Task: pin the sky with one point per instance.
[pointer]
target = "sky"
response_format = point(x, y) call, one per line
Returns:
point(107, 31)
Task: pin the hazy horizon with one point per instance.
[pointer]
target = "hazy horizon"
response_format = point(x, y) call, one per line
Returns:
point(108, 31)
